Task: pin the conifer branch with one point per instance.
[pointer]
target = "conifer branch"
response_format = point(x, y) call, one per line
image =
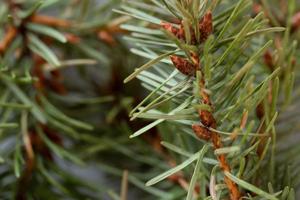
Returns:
point(208, 120)
point(223, 86)
point(221, 59)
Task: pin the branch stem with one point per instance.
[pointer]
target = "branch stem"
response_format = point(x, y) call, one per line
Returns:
point(207, 119)
point(10, 35)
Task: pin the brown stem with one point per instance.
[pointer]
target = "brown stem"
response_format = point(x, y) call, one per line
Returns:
point(25, 179)
point(10, 35)
point(108, 32)
point(50, 21)
point(209, 121)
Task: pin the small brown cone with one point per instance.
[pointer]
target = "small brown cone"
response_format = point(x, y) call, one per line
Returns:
point(183, 65)
point(205, 26)
point(202, 132)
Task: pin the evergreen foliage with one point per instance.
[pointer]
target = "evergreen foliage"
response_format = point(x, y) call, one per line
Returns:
point(223, 93)
point(215, 117)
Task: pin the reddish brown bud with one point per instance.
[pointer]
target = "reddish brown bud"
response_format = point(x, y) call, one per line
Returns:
point(184, 66)
point(207, 119)
point(179, 32)
point(256, 8)
point(205, 29)
point(260, 111)
point(202, 132)
point(205, 26)
point(169, 27)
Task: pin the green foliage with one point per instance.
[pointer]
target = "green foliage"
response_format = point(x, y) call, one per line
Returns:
point(56, 45)
point(239, 80)
point(64, 109)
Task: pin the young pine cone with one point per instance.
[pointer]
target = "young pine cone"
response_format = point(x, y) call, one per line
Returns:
point(184, 66)
point(201, 132)
point(205, 26)
point(205, 29)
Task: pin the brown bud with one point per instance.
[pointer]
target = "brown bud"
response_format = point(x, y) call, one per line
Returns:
point(184, 66)
point(207, 119)
point(169, 27)
point(205, 26)
point(205, 29)
point(260, 111)
point(256, 8)
point(201, 132)
point(179, 32)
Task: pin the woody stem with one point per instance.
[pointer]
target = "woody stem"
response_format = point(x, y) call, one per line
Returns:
point(209, 121)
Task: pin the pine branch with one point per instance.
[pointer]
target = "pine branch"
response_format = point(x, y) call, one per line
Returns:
point(220, 120)
point(31, 73)
point(232, 96)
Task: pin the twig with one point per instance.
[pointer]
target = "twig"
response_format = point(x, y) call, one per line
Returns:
point(8, 38)
point(30, 160)
point(108, 32)
point(26, 138)
point(191, 67)
point(207, 118)
point(209, 121)
point(50, 21)
point(124, 186)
